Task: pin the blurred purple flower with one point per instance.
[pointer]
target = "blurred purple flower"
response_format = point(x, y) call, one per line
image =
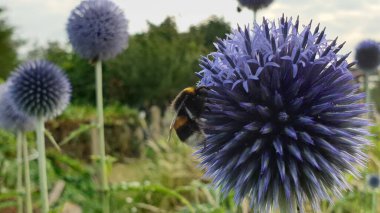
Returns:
point(39, 89)
point(282, 119)
point(368, 55)
point(255, 4)
point(97, 29)
point(10, 119)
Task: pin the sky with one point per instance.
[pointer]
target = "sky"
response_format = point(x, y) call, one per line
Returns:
point(40, 21)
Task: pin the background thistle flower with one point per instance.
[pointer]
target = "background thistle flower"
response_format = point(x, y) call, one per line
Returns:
point(39, 89)
point(255, 4)
point(368, 55)
point(282, 120)
point(97, 29)
point(11, 119)
point(373, 181)
point(18, 123)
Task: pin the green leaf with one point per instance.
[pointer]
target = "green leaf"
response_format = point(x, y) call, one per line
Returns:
point(82, 129)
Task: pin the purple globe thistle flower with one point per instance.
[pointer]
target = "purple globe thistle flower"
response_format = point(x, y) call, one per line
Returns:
point(10, 119)
point(368, 55)
point(97, 29)
point(282, 120)
point(39, 89)
point(373, 181)
point(255, 4)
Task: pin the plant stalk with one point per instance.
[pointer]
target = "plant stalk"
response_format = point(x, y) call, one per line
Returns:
point(254, 17)
point(374, 202)
point(28, 193)
point(40, 129)
point(366, 86)
point(367, 94)
point(100, 126)
point(19, 187)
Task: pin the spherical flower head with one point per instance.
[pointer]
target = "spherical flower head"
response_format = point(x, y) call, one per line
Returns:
point(97, 29)
point(39, 89)
point(374, 181)
point(11, 119)
point(282, 120)
point(255, 4)
point(368, 55)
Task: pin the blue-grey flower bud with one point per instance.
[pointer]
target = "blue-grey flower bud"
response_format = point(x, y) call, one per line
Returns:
point(368, 55)
point(255, 4)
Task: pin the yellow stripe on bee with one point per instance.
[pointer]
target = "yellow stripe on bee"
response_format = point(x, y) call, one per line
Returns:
point(189, 90)
point(180, 121)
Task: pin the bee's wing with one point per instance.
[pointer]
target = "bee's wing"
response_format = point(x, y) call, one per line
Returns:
point(175, 117)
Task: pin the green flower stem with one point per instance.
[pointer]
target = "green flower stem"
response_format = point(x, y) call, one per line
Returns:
point(25, 155)
point(19, 189)
point(366, 86)
point(367, 93)
point(254, 16)
point(374, 202)
point(100, 126)
point(294, 206)
point(42, 165)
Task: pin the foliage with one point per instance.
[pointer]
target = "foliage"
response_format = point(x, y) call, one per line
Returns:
point(112, 112)
point(8, 46)
point(157, 64)
point(163, 179)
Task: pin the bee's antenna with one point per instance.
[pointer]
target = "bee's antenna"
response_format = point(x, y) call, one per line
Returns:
point(175, 117)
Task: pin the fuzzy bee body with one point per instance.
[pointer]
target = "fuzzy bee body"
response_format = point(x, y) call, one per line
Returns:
point(188, 105)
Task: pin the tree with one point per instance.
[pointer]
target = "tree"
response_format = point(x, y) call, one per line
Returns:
point(161, 62)
point(8, 47)
point(155, 67)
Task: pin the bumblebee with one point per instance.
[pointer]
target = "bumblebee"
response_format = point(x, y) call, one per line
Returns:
point(188, 106)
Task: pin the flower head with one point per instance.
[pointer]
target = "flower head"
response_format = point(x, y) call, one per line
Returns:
point(10, 119)
point(39, 89)
point(97, 29)
point(282, 124)
point(368, 55)
point(255, 4)
point(374, 181)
